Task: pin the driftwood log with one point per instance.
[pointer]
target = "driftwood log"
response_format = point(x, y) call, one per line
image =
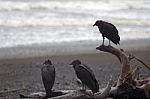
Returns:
point(128, 87)
point(73, 94)
point(122, 58)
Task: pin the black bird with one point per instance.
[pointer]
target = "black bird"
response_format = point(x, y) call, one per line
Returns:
point(108, 30)
point(48, 77)
point(86, 75)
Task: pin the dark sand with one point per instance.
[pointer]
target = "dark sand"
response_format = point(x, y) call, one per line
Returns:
point(25, 73)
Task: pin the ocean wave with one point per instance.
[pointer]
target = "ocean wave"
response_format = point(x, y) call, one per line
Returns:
point(10, 5)
point(72, 13)
point(43, 22)
point(71, 4)
point(69, 22)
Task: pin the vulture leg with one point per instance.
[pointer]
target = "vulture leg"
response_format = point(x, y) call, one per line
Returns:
point(109, 43)
point(83, 87)
point(103, 40)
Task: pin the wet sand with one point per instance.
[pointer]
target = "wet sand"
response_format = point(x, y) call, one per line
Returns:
point(25, 73)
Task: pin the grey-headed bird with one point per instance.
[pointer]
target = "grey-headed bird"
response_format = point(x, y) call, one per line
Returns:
point(86, 75)
point(108, 30)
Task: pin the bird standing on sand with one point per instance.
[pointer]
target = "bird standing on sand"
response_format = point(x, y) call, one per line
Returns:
point(86, 75)
point(48, 77)
point(108, 30)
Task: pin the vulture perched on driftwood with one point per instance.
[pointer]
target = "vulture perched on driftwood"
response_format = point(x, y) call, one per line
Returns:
point(48, 77)
point(86, 75)
point(108, 30)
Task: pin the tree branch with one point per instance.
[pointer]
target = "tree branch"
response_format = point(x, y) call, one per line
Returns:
point(138, 59)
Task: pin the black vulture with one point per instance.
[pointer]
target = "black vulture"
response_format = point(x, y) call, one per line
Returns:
point(48, 77)
point(86, 75)
point(108, 30)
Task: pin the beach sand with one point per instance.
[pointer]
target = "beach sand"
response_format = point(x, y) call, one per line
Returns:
point(25, 73)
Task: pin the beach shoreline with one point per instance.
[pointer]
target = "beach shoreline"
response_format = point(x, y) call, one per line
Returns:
point(69, 48)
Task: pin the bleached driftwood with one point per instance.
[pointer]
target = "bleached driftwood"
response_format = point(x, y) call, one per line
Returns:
point(127, 83)
point(138, 59)
point(123, 58)
point(76, 94)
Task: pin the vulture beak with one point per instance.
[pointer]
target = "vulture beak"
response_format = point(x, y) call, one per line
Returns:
point(44, 63)
point(70, 64)
point(94, 24)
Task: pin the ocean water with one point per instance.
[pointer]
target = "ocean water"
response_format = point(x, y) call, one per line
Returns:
point(31, 28)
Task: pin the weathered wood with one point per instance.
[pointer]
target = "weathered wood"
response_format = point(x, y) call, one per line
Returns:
point(138, 59)
point(146, 88)
point(106, 91)
point(75, 94)
point(111, 50)
point(126, 86)
point(123, 58)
